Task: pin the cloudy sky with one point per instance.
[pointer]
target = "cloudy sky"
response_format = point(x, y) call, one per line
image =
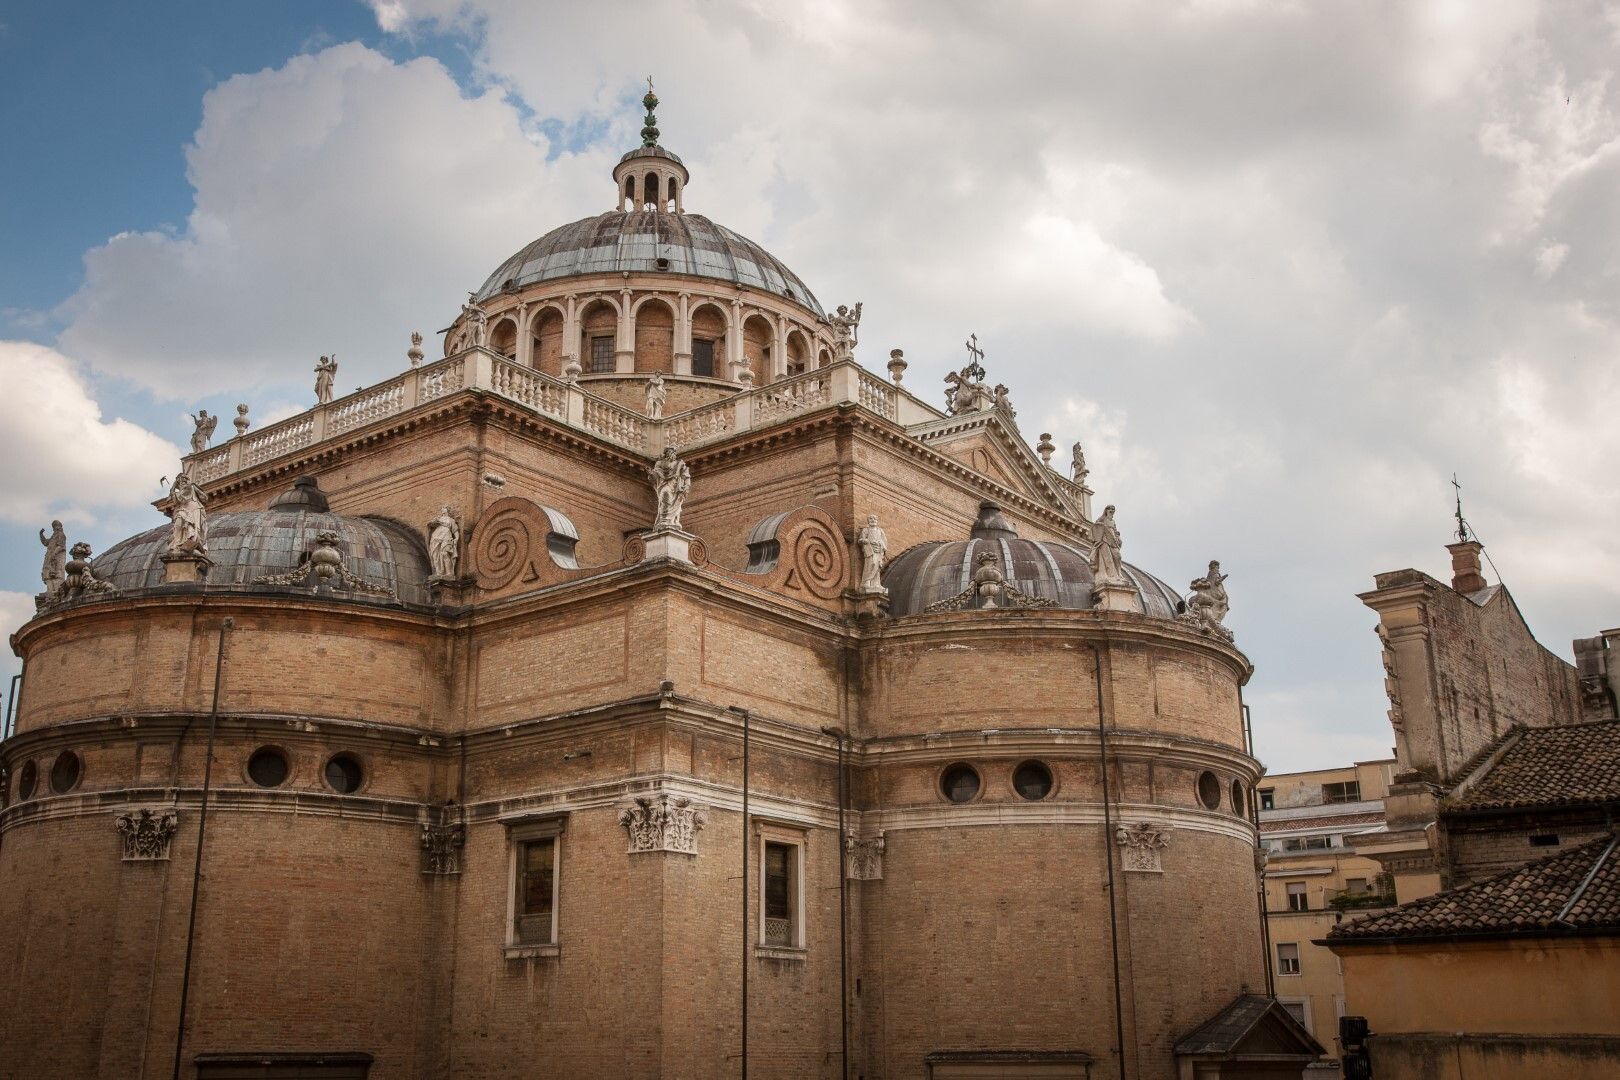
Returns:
point(1283, 268)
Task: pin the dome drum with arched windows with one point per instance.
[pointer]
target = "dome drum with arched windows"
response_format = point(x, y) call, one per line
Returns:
point(648, 288)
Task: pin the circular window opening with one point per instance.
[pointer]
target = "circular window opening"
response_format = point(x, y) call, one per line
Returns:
point(268, 767)
point(1209, 791)
point(27, 780)
point(959, 783)
point(343, 774)
point(1033, 780)
point(1239, 805)
point(65, 773)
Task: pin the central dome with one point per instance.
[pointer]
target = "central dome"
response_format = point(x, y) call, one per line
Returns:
point(648, 241)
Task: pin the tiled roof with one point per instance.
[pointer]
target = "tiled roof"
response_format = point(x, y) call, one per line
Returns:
point(1572, 764)
point(1231, 1030)
point(1576, 892)
point(1324, 821)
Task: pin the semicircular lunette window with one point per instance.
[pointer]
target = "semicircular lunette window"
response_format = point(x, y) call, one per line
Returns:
point(1209, 791)
point(343, 774)
point(65, 773)
point(1033, 780)
point(267, 767)
point(960, 783)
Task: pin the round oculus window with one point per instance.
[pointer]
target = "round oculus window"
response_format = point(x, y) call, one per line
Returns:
point(1209, 791)
point(959, 783)
point(343, 774)
point(1033, 780)
point(267, 767)
point(65, 772)
point(1239, 805)
point(27, 780)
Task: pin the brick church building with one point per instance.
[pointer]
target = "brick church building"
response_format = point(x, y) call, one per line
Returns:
point(645, 688)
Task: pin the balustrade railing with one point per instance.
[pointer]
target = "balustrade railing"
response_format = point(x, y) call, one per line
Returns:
point(701, 424)
point(479, 369)
point(616, 424)
point(357, 410)
point(535, 389)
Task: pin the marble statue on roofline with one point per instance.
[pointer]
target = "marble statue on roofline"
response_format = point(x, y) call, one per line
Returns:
point(52, 572)
point(188, 521)
point(202, 430)
point(671, 480)
point(444, 543)
point(657, 394)
point(846, 324)
point(1206, 608)
point(1107, 566)
point(874, 548)
point(325, 376)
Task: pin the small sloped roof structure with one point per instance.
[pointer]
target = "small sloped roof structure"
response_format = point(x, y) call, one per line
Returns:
point(1252, 1030)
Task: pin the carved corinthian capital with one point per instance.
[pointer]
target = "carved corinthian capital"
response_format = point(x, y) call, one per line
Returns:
point(441, 847)
point(147, 833)
point(1140, 845)
point(863, 860)
point(662, 823)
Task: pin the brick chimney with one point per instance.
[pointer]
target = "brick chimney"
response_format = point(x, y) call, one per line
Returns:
point(1465, 572)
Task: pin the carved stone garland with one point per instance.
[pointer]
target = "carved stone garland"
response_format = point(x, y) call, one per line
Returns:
point(147, 833)
point(324, 565)
point(662, 823)
point(1140, 846)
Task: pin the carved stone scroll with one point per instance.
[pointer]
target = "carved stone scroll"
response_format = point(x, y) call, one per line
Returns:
point(147, 833)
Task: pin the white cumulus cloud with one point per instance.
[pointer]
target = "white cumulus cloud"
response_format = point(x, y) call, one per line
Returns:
point(67, 459)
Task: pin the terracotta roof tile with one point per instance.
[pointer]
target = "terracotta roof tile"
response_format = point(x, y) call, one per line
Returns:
point(1572, 764)
point(1569, 893)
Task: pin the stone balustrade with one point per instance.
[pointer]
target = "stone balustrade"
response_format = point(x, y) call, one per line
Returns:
point(479, 369)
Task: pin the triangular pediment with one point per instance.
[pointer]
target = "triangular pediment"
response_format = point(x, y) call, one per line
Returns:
point(988, 444)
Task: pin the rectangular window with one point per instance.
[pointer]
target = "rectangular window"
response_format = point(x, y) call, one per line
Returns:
point(1356, 886)
point(536, 848)
point(1268, 798)
point(1544, 840)
point(1349, 791)
point(780, 852)
point(703, 357)
point(536, 891)
point(1287, 958)
point(1297, 900)
point(602, 354)
point(1307, 843)
point(1299, 1009)
point(778, 895)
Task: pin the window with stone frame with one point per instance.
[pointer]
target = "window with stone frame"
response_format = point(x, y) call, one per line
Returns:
point(602, 353)
point(1287, 958)
point(1356, 886)
point(703, 357)
point(1298, 900)
point(781, 888)
point(536, 848)
point(1268, 798)
point(1349, 791)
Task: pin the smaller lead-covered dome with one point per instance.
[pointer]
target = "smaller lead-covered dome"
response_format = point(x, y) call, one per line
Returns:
point(1043, 569)
point(247, 546)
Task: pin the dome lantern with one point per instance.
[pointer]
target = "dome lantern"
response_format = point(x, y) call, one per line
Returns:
point(650, 177)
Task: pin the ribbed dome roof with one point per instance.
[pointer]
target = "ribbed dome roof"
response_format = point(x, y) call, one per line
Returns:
point(1048, 569)
point(247, 545)
point(635, 241)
